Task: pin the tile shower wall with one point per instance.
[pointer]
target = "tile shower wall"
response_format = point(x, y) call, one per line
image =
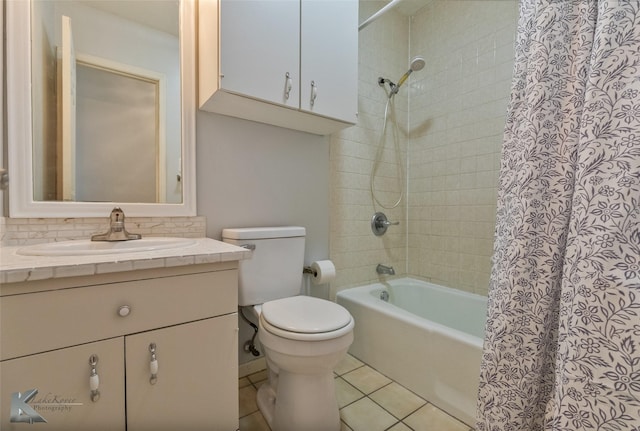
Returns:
point(383, 52)
point(458, 105)
point(451, 125)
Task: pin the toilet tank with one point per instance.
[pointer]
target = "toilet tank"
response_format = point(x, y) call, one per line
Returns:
point(275, 268)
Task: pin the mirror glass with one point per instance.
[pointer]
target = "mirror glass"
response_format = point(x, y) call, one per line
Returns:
point(106, 101)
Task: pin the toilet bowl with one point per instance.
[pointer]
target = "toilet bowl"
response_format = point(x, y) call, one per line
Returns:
point(303, 338)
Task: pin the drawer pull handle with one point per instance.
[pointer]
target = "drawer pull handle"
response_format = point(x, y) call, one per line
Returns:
point(94, 379)
point(153, 364)
point(124, 311)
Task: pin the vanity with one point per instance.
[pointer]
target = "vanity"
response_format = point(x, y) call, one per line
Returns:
point(124, 335)
point(130, 340)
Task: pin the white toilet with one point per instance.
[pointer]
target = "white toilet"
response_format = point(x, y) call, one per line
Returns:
point(303, 338)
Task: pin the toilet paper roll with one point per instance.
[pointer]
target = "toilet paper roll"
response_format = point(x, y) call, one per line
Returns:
point(322, 271)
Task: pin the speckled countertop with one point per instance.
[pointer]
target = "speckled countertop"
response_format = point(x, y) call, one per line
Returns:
point(15, 267)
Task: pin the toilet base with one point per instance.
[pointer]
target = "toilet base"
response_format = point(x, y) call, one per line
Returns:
point(300, 402)
point(266, 400)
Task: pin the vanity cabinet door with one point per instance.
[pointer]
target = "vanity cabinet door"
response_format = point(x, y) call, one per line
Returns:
point(195, 387)
point(63, 397)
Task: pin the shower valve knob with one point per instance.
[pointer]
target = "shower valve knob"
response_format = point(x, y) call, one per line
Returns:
point(379, 223)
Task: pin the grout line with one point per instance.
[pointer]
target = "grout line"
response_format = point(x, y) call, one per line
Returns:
point(386, 429)
point(356, 400)
point(383, 408)
point(422, 406)
point(347, 372)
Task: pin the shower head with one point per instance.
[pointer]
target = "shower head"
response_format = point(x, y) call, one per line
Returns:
point(416, 64)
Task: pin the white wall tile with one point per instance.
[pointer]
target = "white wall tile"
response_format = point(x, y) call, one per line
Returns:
point(456, 105)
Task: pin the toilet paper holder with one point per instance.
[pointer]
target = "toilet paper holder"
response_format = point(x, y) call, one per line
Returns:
point(320, 272)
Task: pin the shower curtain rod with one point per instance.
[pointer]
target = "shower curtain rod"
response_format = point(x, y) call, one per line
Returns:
point(382, 11)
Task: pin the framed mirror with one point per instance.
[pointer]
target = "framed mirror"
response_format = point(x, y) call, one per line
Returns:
point(101, 107)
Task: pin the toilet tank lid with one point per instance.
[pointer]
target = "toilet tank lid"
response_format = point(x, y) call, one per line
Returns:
point(263, 232)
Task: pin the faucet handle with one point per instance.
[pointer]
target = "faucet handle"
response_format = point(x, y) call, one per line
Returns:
point(117, 215)
point(390, 223)
point(116, 220)
point(117, 231)
point(379, 223)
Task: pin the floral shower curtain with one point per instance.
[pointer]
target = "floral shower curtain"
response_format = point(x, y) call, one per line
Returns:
point(562, 348)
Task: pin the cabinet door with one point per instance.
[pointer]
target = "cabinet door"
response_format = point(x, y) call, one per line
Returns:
point(259, 45)
point(197, 380)
point(61, 381)
point(329, 58)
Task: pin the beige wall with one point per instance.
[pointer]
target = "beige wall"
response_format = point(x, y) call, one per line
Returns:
point(456, 108)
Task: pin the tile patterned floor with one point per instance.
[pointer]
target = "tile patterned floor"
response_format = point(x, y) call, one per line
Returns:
point(368, 401)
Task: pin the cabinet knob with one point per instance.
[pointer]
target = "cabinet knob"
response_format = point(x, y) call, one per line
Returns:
point(124, 311)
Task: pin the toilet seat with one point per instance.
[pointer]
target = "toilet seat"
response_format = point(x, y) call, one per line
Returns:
point(305, 318)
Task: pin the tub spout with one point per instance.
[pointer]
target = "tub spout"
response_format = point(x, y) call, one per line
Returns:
point(384, 269)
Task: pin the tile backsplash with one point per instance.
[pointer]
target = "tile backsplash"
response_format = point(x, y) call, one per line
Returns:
point(26, 231)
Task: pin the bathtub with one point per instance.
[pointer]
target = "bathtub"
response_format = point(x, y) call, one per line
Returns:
point(426, 337)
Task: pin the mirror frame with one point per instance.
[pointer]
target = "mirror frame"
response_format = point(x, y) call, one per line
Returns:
point(20, 134)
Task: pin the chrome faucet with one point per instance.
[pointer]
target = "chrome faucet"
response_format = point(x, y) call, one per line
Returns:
point(384, 269)
point(117, 231)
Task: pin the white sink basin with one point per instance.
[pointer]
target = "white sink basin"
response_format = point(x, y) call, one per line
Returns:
point(85, 246)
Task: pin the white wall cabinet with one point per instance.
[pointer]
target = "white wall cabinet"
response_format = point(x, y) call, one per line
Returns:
point(291, 63)
point(50, 329)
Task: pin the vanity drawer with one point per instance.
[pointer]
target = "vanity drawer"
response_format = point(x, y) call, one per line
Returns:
point(39, 322)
